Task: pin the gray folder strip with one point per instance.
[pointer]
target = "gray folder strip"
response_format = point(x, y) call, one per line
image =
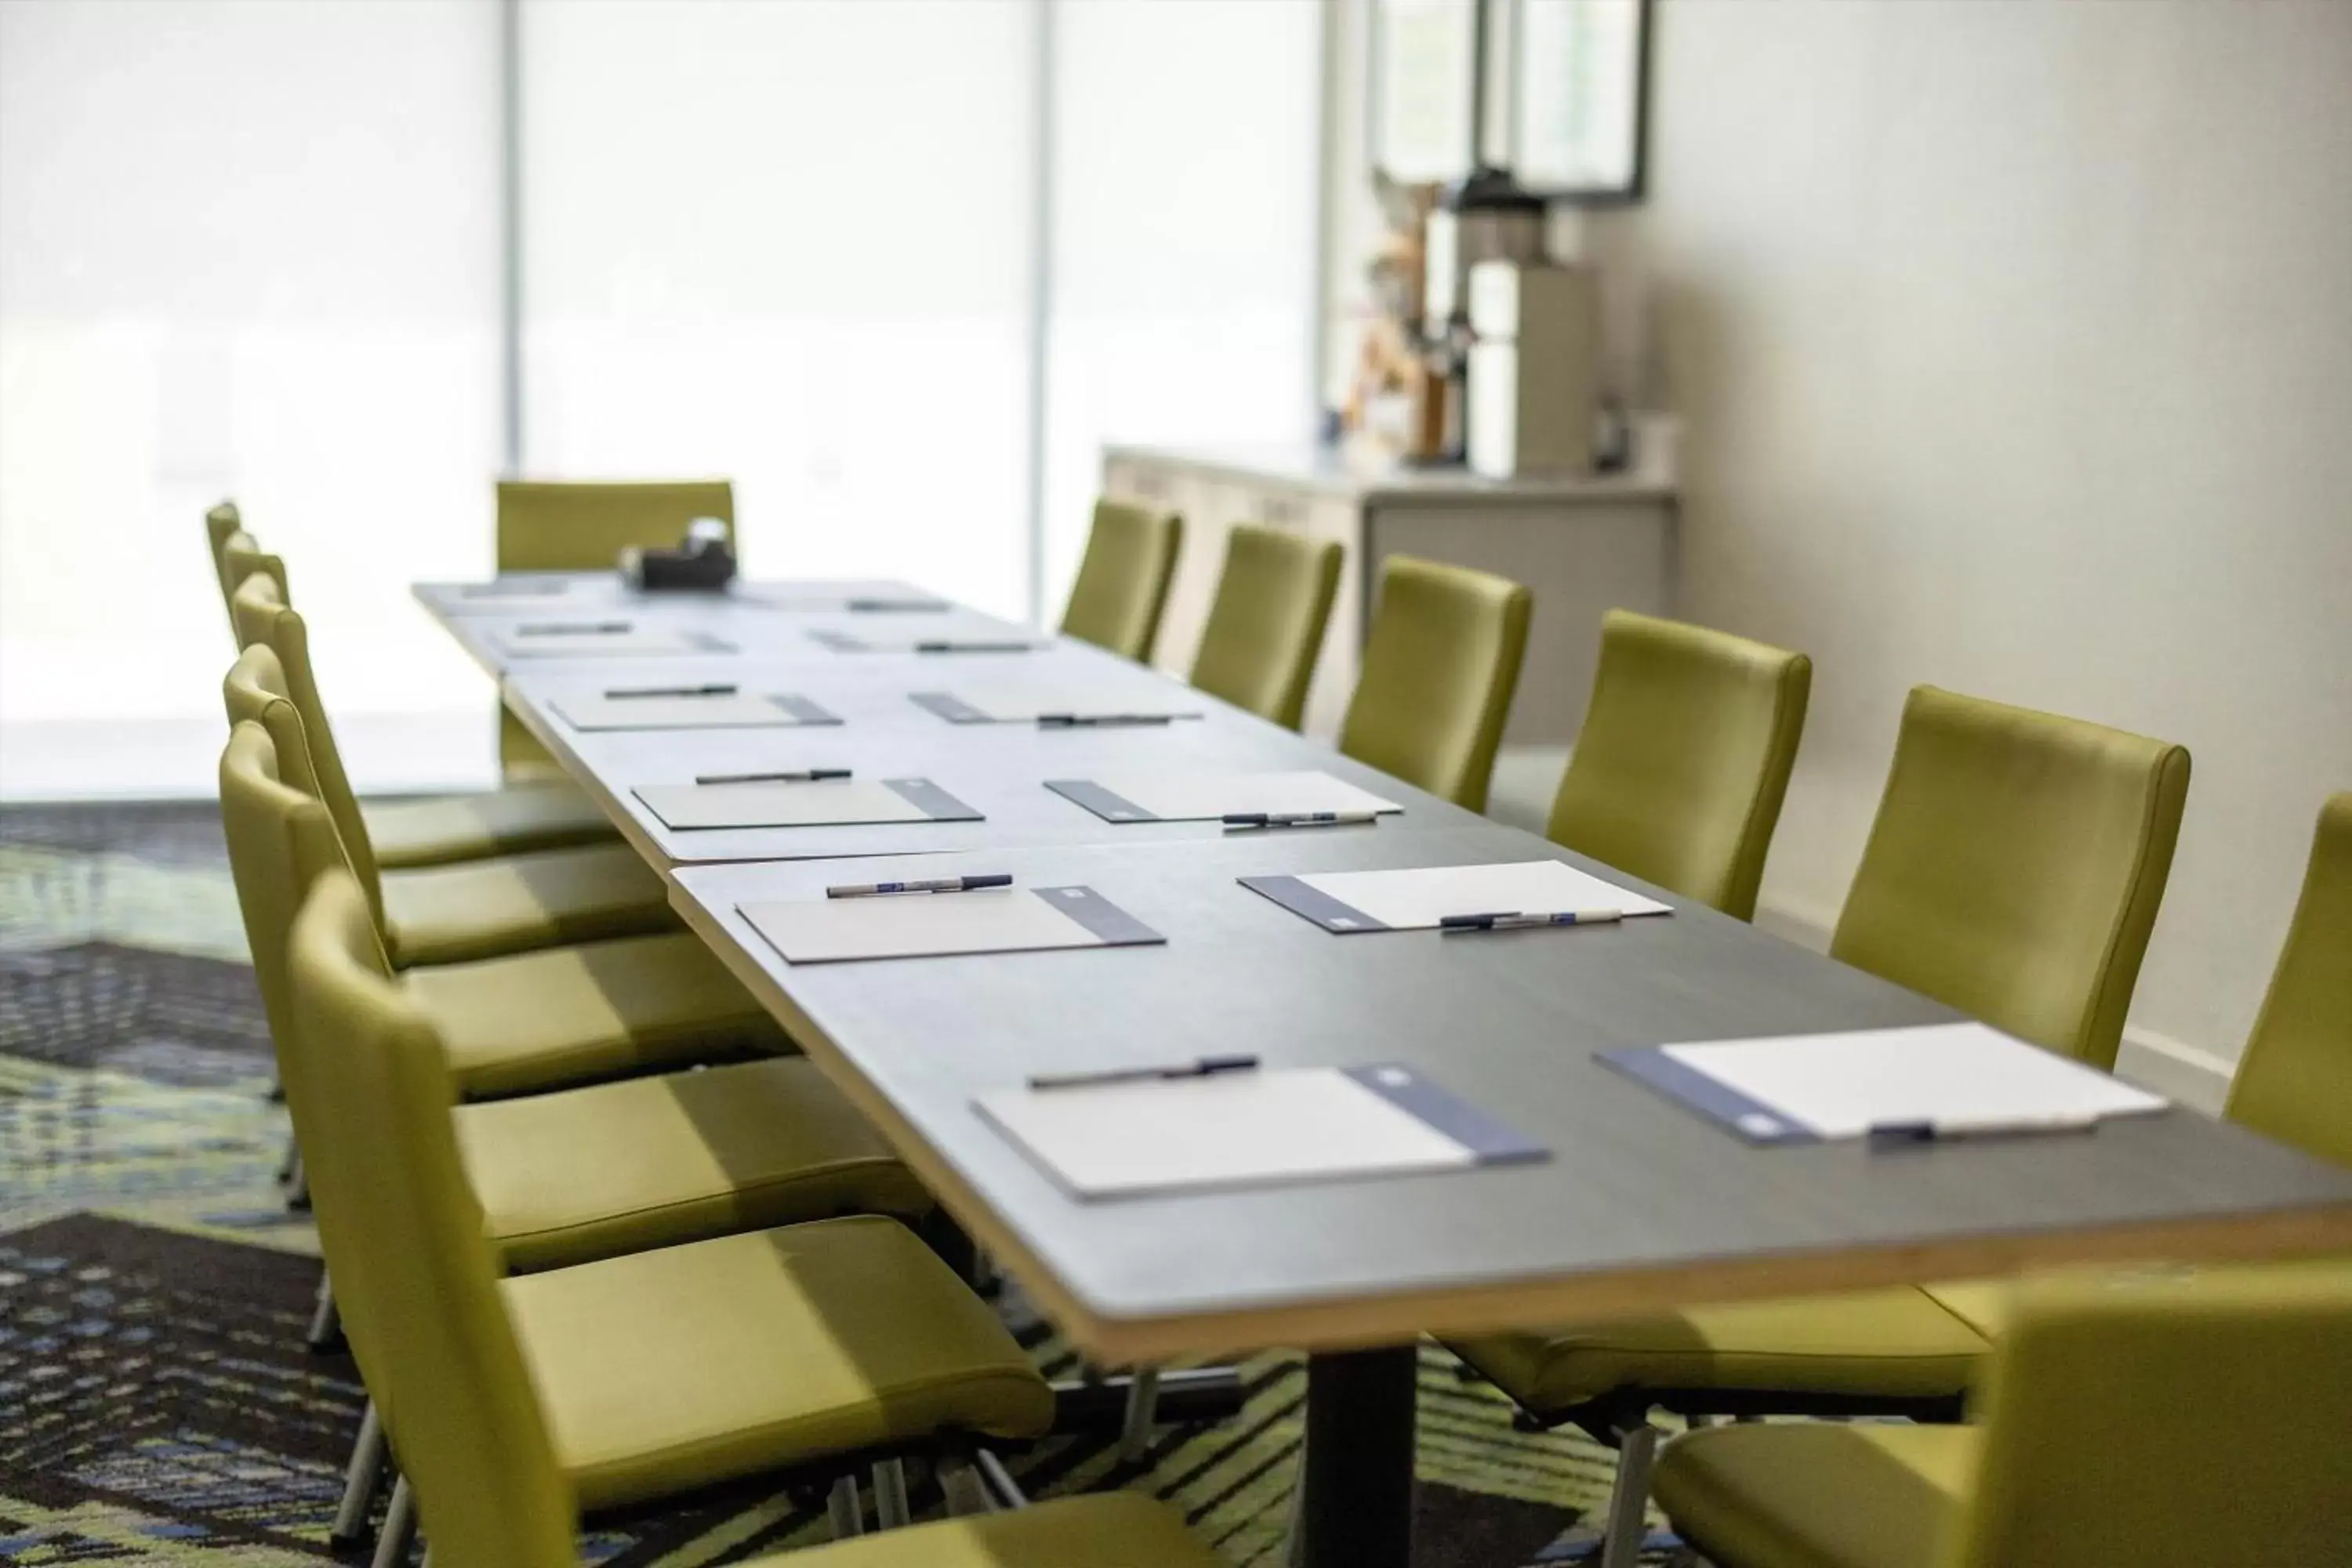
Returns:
point(1321, 908)
point(801, 709)
point(1710, 1097)
point(1491, 1141)
point(1101, 802)
point(948, 706)
point(1109, 925)
point(931, 800)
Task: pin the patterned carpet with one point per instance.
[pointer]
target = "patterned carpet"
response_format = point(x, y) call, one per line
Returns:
point(157, 1405)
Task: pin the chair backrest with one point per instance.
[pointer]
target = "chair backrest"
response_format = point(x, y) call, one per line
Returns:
point(584, 527)
point(414, 1273)
point(1684, 759)
point(241, 558)
point(1439, 668)
point(1266, 626)
point(262, 618)
point(2294, 1082)
point(2015, 867)
point(256, 808)
point(221, 521)
point(1122, 583)
point(2168, 1423)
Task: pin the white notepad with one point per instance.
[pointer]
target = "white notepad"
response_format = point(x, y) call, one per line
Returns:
point(518, 596)
point(561, 639)
point(1801, 1087)
point(797, 804)
point(1417, 899)
point(725, 710)
point(941, 925)
point(1024, 703)
point(1140, 796)
point(1249, 1128)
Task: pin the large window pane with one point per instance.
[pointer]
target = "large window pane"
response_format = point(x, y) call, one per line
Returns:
point(790, 244)
point(246, 248)
point(1185, 202)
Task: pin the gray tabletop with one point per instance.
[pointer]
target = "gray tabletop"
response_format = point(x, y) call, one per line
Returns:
point(999, 770)
point(1642, 1205)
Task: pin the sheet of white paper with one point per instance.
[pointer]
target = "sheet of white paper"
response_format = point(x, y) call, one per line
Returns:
point(1842, 1084)
point(916, 925)
point(812, 804)
point(1021, 702)
point(1406, 901)
point(515, 643)
point(1181, 797)
point(1243, 1128)
point(739, 710)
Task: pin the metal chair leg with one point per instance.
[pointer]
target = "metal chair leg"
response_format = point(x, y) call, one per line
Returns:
point(1004, 1492)
point(843, 1510)
point(1142, 1412)
point(966, 1493)
point(890, 1509)
point(399, 1531)
point(1629, 1499)
point(326, 1331)
point(361, 1477)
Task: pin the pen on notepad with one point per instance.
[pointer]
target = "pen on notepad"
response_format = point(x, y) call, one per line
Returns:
point(1517, 919)
point(1298, 818)
point(928, 885)
point(716, 688)
point(874, 604)
point(1099, 721)
point(803, 776)
point(1961, 1129)
point(973, 646)
point(560, 628)
point(1204, 1067)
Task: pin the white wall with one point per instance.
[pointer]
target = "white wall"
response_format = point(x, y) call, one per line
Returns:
point(2015, 342)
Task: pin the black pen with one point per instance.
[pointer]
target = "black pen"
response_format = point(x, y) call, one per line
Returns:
point(1517, 919)
point(1298, 818)
point(1099, 721)
point(577, 628)
point(925, 885)
point(1961, 1130)
point(973, 646)
point(1204, 1067)
point(805, 775)
point(718, 688)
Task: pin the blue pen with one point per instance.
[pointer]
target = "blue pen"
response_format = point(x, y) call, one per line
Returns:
point(928, 885)
point(1514, 920)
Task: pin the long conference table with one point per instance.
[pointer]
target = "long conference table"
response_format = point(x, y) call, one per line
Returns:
point(1641, 1205)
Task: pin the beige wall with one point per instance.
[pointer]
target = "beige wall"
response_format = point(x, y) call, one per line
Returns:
point(2014, 343)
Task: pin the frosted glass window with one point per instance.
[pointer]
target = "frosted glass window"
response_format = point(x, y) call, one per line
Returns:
point(1184, 205)
point(249, 249)
point(790, 245)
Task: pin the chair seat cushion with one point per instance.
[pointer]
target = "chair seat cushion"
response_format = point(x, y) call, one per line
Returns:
point(1817, 1495)
point(448, 914)
point(564, 1015)
point(666, 1369)
point(1109, 1530)
point(449, 829)
point(593, 1173)
point(1893, 1342)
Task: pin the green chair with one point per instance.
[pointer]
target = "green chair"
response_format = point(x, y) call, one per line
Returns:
point(221, 522)
point(436, 914)
point(513, 1403)
point(449, 829)
point(1265, 627)
point(2015, 867)
point(1683, 759)
point(1439, 668)
point(2295, 1081)
point(552, 526)
point(2014, 871)
point(1122, 583)
point(2163, 1424)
